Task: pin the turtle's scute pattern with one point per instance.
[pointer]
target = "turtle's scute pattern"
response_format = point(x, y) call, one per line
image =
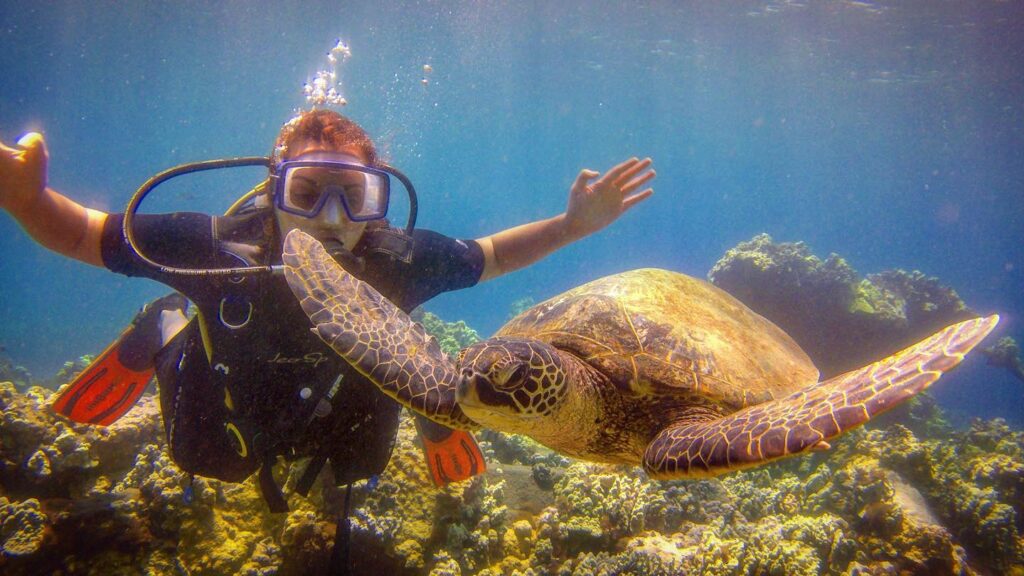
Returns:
point(373, 334)
point(808, 418)
point(658, 332)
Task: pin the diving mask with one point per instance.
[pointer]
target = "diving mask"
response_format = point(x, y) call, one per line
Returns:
point(304, 185)
point(337, 161)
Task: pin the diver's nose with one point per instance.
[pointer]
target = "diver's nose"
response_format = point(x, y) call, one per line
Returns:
point(332, 209)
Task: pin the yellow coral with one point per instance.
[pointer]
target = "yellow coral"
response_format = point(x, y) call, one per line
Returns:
point(412, 551)
point(22, 527)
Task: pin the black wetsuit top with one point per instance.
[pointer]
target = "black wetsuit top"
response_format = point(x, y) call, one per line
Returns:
point(251, 391)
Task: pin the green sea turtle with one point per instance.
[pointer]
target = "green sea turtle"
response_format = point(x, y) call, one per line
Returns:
point(647, 367)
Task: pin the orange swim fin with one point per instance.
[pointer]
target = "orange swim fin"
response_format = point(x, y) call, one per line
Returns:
point(104, 391)
point(111, 385)
point(452, 455)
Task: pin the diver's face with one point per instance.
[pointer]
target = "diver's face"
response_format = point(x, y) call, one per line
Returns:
point(331, 223)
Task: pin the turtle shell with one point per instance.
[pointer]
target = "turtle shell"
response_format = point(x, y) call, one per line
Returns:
point(655, 332)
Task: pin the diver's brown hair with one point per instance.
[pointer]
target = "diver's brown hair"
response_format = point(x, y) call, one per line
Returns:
point(325, 127)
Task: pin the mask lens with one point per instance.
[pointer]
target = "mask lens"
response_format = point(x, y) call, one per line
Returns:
point(302, 190)
point(370, 200)
point(363, 191)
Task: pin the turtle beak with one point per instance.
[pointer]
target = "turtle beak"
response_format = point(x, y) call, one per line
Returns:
point(475, 391)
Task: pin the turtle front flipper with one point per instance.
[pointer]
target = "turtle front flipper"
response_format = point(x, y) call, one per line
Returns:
point(372, 334)
point(808, 418)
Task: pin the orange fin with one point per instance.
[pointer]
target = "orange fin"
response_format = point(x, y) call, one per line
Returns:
point(104, 391)
point(452, 455)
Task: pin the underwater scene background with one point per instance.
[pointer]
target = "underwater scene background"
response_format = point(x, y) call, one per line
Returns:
point(888, 133)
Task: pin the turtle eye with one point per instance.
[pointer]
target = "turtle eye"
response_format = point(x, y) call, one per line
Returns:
point(514, 375)
point(519, 374)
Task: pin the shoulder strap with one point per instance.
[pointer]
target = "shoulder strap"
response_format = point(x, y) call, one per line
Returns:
point(388, 241)
point(269, 488)
point(247, 236)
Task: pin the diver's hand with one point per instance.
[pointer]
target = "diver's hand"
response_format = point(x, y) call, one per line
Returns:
point(50, 218)
point(22, 172)
point(594, 204)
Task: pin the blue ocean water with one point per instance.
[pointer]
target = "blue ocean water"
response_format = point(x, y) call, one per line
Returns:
point(890, 133)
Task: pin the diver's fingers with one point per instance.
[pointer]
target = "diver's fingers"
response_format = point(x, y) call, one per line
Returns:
point(34, 146)
point(638, 182)
point(9, 157)
point(583, 178)
point(632, 171)
point(637, 198)
point(8, 150)
point(618, 170)
point(27, 140)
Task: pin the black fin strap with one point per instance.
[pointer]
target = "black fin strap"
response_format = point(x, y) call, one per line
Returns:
point(339, 554)
point(271, 492)
point(316, 463)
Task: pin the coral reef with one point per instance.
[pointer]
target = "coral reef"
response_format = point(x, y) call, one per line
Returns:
point(23, 380)
point(908, 494)
point(925, 499)
point(108, 499)
point(841, 320)
point(10, 372)
point(1005, 354)
point(69, 370)
point(452, 336)
point(22, 527)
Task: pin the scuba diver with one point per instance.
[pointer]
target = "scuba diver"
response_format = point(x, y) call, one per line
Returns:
point(244, 380)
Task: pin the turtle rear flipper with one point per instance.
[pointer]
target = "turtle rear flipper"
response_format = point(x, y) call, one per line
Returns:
point(376, 337)
point(808, 418)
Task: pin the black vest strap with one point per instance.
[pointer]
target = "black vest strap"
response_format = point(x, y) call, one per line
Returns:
point(339, 555)
point(270, 490)
point(316, 464)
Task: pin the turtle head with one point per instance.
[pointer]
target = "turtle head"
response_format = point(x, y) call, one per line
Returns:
point(509, 383)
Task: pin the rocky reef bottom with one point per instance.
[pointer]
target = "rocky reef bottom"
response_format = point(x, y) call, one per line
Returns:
point(907, 495)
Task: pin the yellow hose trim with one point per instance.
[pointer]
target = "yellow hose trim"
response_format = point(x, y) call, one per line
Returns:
point(242, 449)
point(259, 189)
point(207, 344)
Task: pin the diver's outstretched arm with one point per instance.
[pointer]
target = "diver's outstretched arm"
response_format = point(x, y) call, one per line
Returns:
point(595, 201)
point(52, 219)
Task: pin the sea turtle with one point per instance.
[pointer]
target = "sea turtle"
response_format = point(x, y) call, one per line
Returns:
point(646, 367)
